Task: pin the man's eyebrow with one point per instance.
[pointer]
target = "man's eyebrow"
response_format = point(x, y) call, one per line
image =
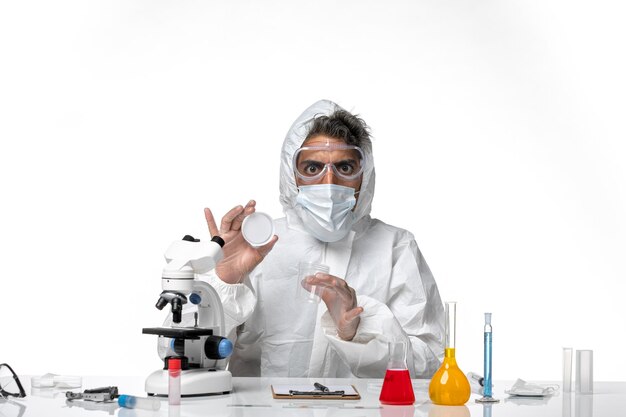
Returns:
point(310, 161)
point(315, 161)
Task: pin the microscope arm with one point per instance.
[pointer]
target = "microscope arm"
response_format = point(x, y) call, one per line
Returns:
point(210, 309)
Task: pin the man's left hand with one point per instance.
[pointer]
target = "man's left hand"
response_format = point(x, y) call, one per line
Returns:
point(340, 300)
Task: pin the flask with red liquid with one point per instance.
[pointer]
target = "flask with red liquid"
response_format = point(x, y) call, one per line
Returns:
point(397, 386)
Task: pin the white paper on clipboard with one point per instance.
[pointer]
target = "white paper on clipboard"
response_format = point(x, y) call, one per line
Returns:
point(284, 389)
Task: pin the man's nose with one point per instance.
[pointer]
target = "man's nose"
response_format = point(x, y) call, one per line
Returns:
point(329, 177)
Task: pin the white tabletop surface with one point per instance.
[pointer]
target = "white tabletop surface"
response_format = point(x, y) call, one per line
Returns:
point(252, 397)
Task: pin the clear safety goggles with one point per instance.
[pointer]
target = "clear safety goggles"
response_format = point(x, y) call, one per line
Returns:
point(311, 163)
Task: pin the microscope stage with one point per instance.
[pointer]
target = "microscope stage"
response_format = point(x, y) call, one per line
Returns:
point(178, 332)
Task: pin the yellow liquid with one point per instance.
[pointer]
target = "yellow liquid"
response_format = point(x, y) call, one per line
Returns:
point(449, 385)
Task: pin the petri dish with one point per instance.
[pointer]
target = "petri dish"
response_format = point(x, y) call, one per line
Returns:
point(258, 228)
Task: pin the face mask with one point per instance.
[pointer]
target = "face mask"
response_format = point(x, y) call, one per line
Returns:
point(56, 381)
point(326, 210)
point(527, 389)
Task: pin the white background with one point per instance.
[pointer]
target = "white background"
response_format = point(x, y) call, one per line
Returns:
point(499, 142)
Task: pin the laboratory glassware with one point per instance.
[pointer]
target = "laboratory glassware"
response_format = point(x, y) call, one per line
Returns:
point(258, 229)
point(130, 401)
point(567, 369)
point(306, 292)
point(449, 385)
point(173, 394)
point(487, 382)
point(584, 371)
point(397, 386)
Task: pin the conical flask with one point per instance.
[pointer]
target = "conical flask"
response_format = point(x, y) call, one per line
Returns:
point(449, 385)
point(397, 386)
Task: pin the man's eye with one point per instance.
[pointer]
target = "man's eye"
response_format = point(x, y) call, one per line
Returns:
point(311, 169)
point(345, 168)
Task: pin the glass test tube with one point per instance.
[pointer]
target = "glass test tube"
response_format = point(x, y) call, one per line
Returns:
point(173, 394)
point(584, 371)
point(567, 369)
point(130, 401)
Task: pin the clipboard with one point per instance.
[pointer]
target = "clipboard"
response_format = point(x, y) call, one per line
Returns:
point(308, 392)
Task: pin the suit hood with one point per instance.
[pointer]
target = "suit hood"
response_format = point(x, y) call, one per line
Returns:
point(295, 137)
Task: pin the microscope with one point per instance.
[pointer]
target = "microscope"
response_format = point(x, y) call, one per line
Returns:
point(201, 346)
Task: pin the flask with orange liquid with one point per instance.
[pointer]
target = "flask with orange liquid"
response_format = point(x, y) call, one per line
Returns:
point(449, 385)
point(397, 386)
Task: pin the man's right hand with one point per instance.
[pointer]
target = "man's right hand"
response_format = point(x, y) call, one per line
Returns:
point(239, 256)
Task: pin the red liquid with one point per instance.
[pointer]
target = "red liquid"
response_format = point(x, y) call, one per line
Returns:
point(397, 388)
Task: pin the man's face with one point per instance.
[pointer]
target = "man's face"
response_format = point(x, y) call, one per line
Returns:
point(311, 161)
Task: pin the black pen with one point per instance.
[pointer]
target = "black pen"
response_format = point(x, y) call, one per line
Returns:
point(320, 387)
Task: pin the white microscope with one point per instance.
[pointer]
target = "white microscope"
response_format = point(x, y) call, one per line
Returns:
point(201, 347)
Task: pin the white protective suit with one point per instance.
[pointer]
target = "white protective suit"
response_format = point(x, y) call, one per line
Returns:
point(275, 334)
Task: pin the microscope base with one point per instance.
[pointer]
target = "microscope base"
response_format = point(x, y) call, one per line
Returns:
point(193, 382)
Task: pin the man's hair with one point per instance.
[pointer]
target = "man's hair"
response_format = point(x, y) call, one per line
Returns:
point(344, 126)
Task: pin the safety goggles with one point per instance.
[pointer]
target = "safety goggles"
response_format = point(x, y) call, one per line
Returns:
point(311, 163)
point(10, 385)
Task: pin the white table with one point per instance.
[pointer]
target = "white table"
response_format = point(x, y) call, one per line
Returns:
point(252, 397)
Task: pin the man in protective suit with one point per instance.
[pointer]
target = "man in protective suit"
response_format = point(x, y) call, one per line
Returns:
point(379, 288)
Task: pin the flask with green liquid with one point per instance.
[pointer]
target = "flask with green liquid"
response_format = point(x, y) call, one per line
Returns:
point(449, 385)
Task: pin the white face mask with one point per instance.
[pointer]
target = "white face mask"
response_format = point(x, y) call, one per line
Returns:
point(326, 210)
point(526, 389)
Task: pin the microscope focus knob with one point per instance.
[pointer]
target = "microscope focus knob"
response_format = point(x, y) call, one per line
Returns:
point(195, 298)
point(217, 347)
